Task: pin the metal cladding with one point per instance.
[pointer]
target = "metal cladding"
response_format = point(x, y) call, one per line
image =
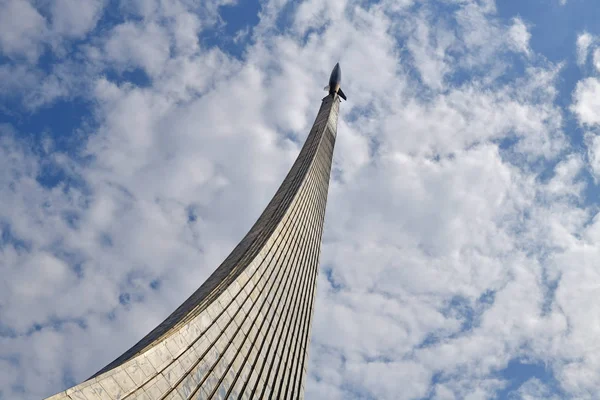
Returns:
point(245, 332)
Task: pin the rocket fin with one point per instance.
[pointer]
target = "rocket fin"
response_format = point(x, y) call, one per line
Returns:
point(326, 88)
point(341, 94)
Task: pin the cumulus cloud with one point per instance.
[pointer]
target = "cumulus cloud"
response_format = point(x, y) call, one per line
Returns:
point(22, 29)
point(593, 153)
point(519, 36)
point(584, 41)
point(596, 59)
point(28, 28)
point(429, 49)
point(74, 19)
point(131, 46)
point(533, 389)
point(586, 103)
point(457, 236)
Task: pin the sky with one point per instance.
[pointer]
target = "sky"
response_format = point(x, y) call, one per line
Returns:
point(140, 140)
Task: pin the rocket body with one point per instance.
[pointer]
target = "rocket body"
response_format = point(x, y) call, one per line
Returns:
point(335, 80)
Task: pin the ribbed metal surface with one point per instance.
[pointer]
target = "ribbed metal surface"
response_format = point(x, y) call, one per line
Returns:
point(245, 332)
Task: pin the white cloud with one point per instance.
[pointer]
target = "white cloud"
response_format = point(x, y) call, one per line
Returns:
point(27, 28)
point(586, 102)
point(519, 36)
point(16, 79)
point(75, 18)
point(584, 41)
point(429, 47)
point(533, 389)
point(314, 14)
point(132, 45)
point(22, 29)
point(442, 239)
point(596, 59)
point(592, 142)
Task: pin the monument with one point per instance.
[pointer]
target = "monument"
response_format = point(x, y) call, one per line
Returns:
point(244, 334)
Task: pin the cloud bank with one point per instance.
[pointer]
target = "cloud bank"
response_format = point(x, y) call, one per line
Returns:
point(459, 252)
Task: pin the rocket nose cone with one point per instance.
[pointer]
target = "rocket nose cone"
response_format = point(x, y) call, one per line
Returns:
point(336, 77)
point(336, 70)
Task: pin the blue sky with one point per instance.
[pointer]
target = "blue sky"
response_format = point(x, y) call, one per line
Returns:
point(140, 140)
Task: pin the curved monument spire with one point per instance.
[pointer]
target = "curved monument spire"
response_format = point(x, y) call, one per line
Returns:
point(245, 332)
